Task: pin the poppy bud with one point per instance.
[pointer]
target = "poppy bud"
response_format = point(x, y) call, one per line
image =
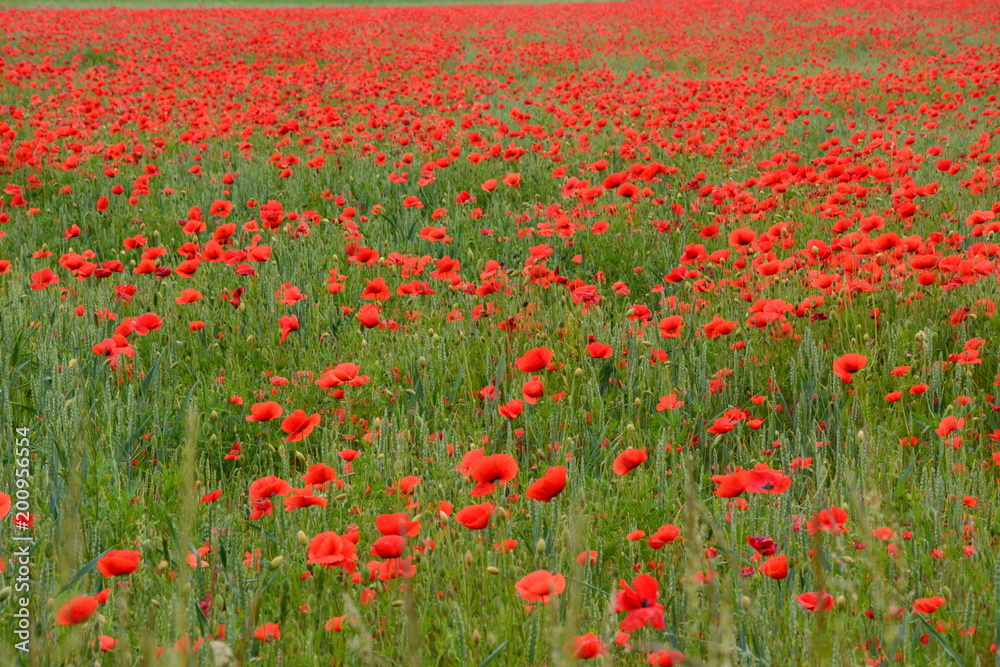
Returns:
point(491, 569)
point(271, 448)
point(476, 637)
point(50, 604)
point(638, 402)
point(5, 593)
point(746, 603)
point(946, 593)
point(540, 545)
point(249, 338)
point(341, 496)
point(645, 343)
point(422, 361)
point(276, 562)
point(242, 307)
point(630, 427)
point(73, 362)
point(300, 456)
point(841, 600)
point(155, 603)
point(396, 603)
point(861, 436)
point(578, 372)
point(50, 550)
point(99, 617)
point(302, 538)
point(213, 438)
point(364, 343)
point(468, 558)
point(162, 566)
point(282, 452)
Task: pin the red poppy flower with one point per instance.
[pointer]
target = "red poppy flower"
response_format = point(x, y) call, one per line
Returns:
point(332, 550)
point(298, 425)
point(829, 520)
point(319, 474)
point(490, 471)
point(821, 601)
point(928, 605)
point(775, 568)
point(534, 360)
point(262, 412)
point(76, 610)
point(585, 647)
point(599, 350)
point(268, 632)
point(117, 563)
point(628, 460)
point(475, 517)
point(511, 409)
point(640, 601)
point(265, 487)
point(846, 366)
point(670, 327)
point(664, 535)
point(665, 658)
point(540, 586)
point(397, 524)
point(550, 485)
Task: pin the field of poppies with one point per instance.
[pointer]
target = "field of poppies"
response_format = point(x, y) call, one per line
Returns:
point(640, 333)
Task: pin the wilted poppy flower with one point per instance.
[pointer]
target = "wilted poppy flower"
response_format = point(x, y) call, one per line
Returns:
point(846, 366)
point(117, 563)
point(298, 425)
point(549, 485)
point(475, 517)
point(534, 360)
point(76, 610)
point(540, 586)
